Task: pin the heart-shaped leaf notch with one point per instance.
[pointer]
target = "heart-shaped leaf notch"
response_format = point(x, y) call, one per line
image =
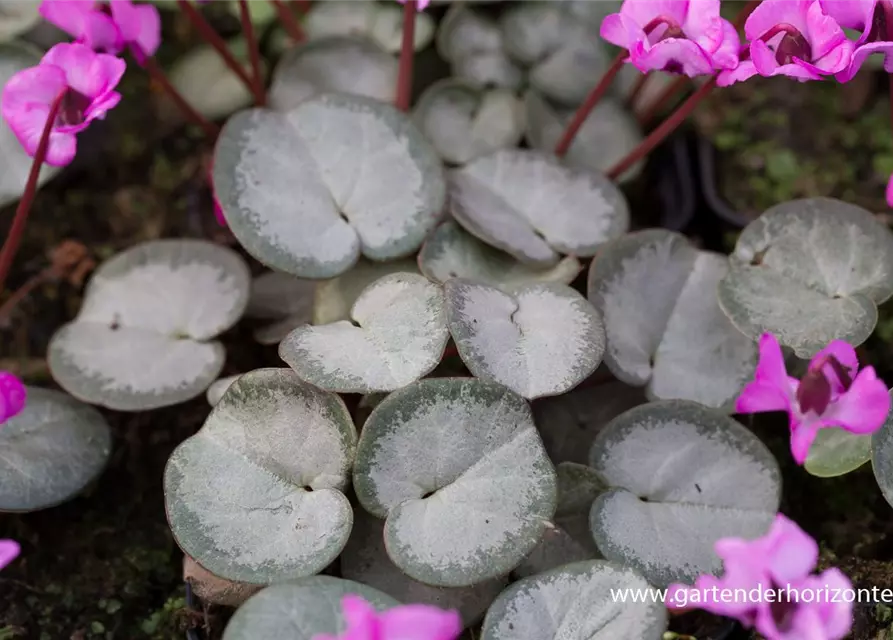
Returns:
point(336, 64)
point(143, 338)
point(307, 191)
point(381, 22)
point(682, 476)
point(464, 122)
point(882, 458)
point(809, 272)
point(399, 336)
point(531, 206)
point(452, 252)
point(575, 602)
point(300, 609)
point(52, 450)
point(366, 560)
point(656, 293)
point(446, 456)
point(256, 495)
point(540, 340)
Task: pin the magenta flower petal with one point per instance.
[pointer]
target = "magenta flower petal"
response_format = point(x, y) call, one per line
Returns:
point(691, 59)
point(792, 553)
point(889, 193)
point(726, 54)
point(101, 33)
point(860, 55)
point(742, 72)
point(90, 74)
point(844, 352)
point(420, 622)
point(615, 31)
point(82, 20)
point(759, 397)
point(802, 436)
point(852, 14)
point(421, 5)
point(140, 25)
point(837, 617)
point(770, 13)
point(12, 396)
point(863, 408)
point(771, 368)
point(9, 551)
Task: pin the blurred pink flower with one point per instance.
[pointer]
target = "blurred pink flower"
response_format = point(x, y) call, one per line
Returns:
point(107, 27)
point(87, 80)
point(874, 18)
point(793, 38)
point(9, 551)
point(12, 396)
point(768, 584)
point(677, 36)
point(420, 4)
point(407, 622)
point(890, 191)
point(833, 393)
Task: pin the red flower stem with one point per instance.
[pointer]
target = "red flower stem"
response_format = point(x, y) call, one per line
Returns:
point(289, 22)
point(589, 104)
point(303, 6)
point(636, 91)
point(667, 127)
point(14, 239)
point(213, 38)
point(407, 51)
point(662, 100)
point(158, 76)
point(260, 97)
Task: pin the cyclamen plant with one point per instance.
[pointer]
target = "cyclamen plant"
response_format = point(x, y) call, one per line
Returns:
point(528, 439)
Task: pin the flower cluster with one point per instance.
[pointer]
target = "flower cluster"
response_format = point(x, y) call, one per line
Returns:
point(768, 584)
point(833, 393)
point(74, 83)
point(802, 39)
point(408, 622)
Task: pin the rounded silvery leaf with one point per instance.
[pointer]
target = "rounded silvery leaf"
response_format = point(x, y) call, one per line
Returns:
point(208, 84)
point(540, 340)
point(836, 452)
point(446, 456)
point(489, 69)
point(606, 137)
point(882, 457)
point(213, 589)
point(366, 560)
point(451, 252)
point(809, 272)
point(387, 27)
point(16, 163)
point(256, 495)
point(219, 387)
point(398, 335)
point(569, 423)
point(337, 18)
point(575, 602)
point(534, 208)
point(570, 539)
point(307, 191)
point(464, 32)
point(464, 122)
point(564, 55)
point(656, 293)
point(17, 17)
point(300, 609)
point(283, 298)
point(143, 336)
point(683, 476)
point(337, 64)
point(51, 450)
point(334, 298)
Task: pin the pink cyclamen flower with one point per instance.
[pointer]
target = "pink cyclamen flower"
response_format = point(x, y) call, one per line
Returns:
point(676, 36)
point(107, 27)
point(768, 584)
point(12, 396)
point(86, 79)
point(889, 193)
point(9, 551)
point(420, 4)
point(874, 18)
point(407, 622)
point(793, 38)
point(833, 393)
